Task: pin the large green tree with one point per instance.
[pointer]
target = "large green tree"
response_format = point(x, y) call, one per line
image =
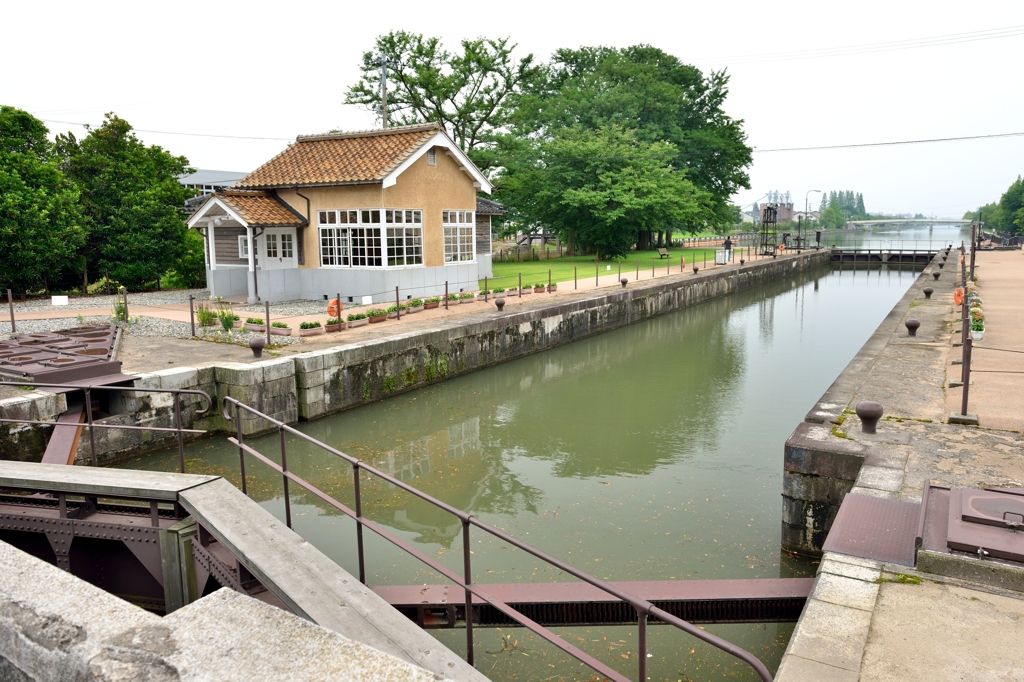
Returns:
point(653, 93)
point(40, 228)
point(599, 189)
point(132, 203)
point(467, 91)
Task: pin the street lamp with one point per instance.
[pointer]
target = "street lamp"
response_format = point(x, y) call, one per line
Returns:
point(807, 204)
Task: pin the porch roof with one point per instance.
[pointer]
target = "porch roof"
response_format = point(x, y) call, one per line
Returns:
point(252, 208)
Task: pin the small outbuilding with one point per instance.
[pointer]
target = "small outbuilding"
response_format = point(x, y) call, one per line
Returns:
point(356, 213)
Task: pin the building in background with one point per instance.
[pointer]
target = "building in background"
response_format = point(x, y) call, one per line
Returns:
point(783, 203)
point(358, 214)
point(209, 181)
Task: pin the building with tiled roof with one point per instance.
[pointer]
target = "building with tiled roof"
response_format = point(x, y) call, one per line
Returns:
point(355, 213)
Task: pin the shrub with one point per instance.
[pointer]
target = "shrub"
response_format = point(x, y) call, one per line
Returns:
point(309, 325)
point(205, 315)
point(278, 325)
point(453, 297)
point(376, 312)
point(356, 316)
point(484, 292)
point(391, 308)
point(255, 320)
point(434, 299)
point(499, 290)
point(539, 285)
point(466, 296)
point(226, 317)
point(416, 302)
point(334, 320)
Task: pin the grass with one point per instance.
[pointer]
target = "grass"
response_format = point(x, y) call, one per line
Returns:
point(507, 274)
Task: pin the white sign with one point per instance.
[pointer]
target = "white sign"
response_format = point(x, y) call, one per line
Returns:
point(367, 300)
point(58, 300)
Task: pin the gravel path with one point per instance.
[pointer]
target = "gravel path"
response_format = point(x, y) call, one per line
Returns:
point(145, 326)
point(146, 298)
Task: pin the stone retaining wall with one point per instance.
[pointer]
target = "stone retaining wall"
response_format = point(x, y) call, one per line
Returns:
point(318, 383)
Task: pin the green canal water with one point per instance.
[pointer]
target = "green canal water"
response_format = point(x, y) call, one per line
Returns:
point(652, 452)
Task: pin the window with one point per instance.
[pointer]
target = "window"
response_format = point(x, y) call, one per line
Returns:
point(459, 231)
point(286, 246)
point(359, 238)
point(271, 245)
point(432, 156)
point(243, 247)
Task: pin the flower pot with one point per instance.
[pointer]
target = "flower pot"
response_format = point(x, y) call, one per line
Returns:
point(465, 300)
point(553, 288)
point(430, 305)
point(352, 324)
point(415, 309)
point(315, 331)
point(256, 328)
point(977, 336)
point(281, 331)
point(527, 290)
point(377, 318)
point(237, 324)
point(331, 328)
point(538, 290)
point(393, 315)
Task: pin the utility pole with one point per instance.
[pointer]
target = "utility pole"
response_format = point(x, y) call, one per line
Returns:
point(384, 64)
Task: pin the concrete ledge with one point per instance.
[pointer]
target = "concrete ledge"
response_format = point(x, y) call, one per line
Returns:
point(988, 572)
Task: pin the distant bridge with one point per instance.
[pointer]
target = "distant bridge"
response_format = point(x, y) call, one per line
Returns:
point(908, 221)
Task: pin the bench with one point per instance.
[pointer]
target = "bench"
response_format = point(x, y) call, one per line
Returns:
point(663, 253)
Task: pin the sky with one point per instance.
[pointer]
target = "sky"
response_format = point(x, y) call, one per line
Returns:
point(277, 70)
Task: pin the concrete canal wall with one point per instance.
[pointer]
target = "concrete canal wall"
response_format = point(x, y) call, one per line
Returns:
point(315, 384)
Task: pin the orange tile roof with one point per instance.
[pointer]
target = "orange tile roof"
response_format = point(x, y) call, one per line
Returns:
point(260, 208)
point(341, 158)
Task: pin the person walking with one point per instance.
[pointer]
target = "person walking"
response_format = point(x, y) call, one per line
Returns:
point(728, 249)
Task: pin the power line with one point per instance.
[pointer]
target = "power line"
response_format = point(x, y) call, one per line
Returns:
point(888, 144)
point(866, 48)
point(168, 132)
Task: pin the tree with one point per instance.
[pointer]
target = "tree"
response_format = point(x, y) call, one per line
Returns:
point(132, 203)
point(467, 92)
point(824, 202)
point(40, 224)
point(861, 211)
point(832, 218)
point(189, 271)
point(1011, 205)
point(647, 90)
point(599, 189)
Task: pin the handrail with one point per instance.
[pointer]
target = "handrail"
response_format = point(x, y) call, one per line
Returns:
point(644, 608)
point(88, 388)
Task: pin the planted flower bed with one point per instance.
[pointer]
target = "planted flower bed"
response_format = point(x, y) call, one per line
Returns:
point(310, 328)
point(357, 320)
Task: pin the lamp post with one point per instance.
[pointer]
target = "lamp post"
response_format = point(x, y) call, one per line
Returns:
point(807, 205)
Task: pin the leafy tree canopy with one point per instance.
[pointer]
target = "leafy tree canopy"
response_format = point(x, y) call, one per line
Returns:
point(131, 199)
point(832, 218)
point(599, 188)
point(644, 89)
point(466, 91)
point(40, 224)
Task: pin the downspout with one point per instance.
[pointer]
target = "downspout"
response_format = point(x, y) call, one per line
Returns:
point(255, 278)
point(306, 224)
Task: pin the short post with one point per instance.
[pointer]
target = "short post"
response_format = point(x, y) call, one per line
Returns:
point(338, 299)
point(487, 291)
point(549, 280)
point(284, 479)
point(620, 269)
point(467, 567)
point(652, 268)
point(446, 294)
point(266, 307)
point(125, 294)
point(398, 305)
point(10, 304)
point(574, 286)
point(597, 270)
point(520, 285)
point(88, 419)
point(966, 374)
point(192, 313)
point(637, 271)
point(705, 259)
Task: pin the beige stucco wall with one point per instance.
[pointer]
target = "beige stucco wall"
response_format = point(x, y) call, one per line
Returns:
point(431, 189)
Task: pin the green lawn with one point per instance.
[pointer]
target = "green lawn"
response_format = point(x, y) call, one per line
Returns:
point(507, 274)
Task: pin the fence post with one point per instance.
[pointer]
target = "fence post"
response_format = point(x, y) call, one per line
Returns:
point(967, 372)
point(177, 425)
point(549, 280)
point(284, 477)
point(487, 291)
point(192, 313)
point(266, 306)
point(520, 285)
point(126, 315)
point(10, 304)
point(597, 274)
point(398, 305)
point(574, 277)
point(469, 595)
point(446, 294)
point(88, 417)
point(359, 522)
point(241, 452)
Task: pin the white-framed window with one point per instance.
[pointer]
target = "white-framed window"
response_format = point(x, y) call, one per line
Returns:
point(358, 238)
point(459, 229)
point(243, 247)
point(287, 246)
point(271, 245)
point(432, 156)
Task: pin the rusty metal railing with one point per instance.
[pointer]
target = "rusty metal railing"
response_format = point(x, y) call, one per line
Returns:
point(91, 425)
point(644, 609)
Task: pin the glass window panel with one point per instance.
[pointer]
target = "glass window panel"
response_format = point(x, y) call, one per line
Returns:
point(374, 216)
point(389, 216)
point(286, 246)
point(365, 217)
point(271, 245)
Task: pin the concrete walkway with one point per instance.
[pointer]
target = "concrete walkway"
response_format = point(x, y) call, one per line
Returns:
point(869, 620)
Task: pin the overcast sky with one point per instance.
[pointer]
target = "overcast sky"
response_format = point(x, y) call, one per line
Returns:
point(281, 69)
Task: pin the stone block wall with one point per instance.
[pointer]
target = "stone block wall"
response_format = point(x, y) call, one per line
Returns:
point(26, 442)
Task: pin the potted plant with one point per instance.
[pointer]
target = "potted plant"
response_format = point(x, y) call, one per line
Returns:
point(255, 325)
point(466, 298)
point(280, 329)
point(334, 324)
point(524, 290)
point(207, 316)
point(552, 287)
point(453, 298)
point(415, 305)
point(392, 311)
point(432, 303)
point(377, 315)
point(538, 288)
point(977, 329)
point(357, 320)
point(310, 328)
point(499, 290)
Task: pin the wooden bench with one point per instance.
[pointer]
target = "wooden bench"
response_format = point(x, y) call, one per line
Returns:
point(663, 253)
